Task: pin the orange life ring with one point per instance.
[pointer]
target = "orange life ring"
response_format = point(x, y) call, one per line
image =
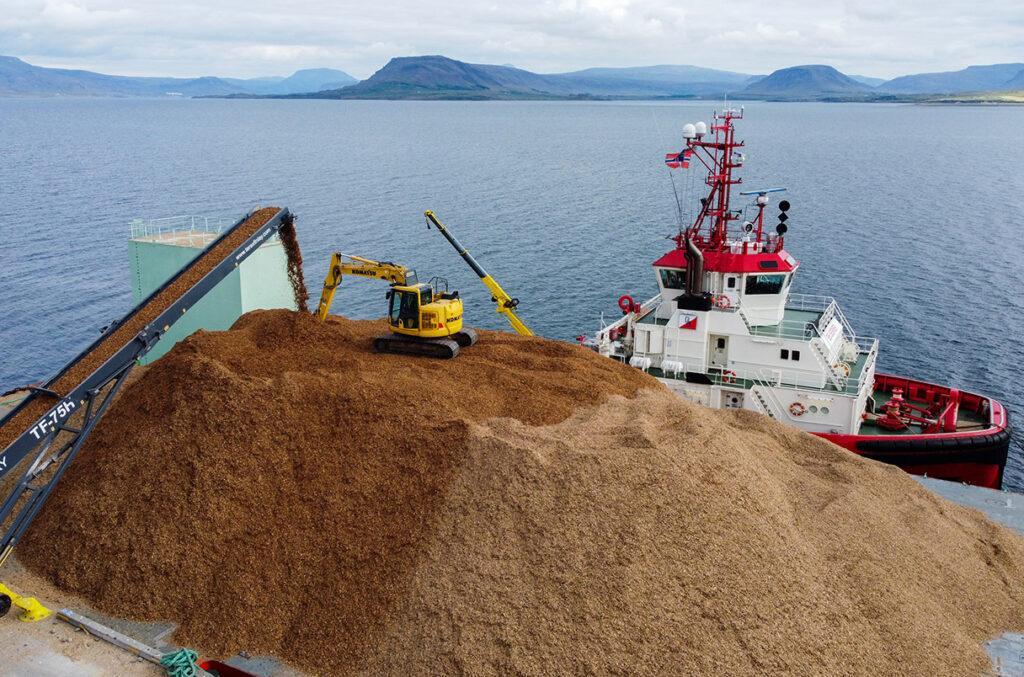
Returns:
point(797, 409)
point(722, 301)
point(728, 376)
point(626, 304)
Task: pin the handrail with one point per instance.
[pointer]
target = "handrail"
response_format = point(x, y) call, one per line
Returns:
point(174, 224)
point(763, 388)
point(837, 379)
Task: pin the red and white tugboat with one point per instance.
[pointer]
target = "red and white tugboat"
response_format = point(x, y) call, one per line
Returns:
point(725, 331)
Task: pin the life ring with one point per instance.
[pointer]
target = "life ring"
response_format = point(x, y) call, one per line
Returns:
point(844, 368)
point(723, 302)
point(626, 304)
point(797, 409)
point(728, 376)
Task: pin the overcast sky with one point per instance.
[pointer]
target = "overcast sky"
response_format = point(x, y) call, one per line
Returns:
point(245, 38)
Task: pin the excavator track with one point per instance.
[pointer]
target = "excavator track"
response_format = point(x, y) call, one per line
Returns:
point(444, 349)
point(466, 337)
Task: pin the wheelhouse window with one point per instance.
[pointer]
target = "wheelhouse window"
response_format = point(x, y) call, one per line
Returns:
point(765, 284)
point(673, 279)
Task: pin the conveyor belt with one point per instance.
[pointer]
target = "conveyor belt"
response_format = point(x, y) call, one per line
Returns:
point(71, 403)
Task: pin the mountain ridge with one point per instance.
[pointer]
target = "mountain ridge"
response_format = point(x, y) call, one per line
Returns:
point(992, 77)
point(441, 77)
point(20, 78)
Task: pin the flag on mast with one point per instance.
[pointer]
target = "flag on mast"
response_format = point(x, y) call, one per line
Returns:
point(680, 159)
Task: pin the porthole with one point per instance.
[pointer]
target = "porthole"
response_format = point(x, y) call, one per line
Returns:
point(813, 409)
point(824, 410)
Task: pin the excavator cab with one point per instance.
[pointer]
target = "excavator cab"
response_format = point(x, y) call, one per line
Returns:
point(424, 321)
point(421, 310)
point(404, 308)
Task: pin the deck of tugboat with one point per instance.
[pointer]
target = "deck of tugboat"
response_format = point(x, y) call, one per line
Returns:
point(799, 321)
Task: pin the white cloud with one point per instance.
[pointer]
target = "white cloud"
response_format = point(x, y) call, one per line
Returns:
point(256, 37)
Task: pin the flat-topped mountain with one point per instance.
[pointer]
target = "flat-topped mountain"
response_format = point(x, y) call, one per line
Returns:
point(805, 82)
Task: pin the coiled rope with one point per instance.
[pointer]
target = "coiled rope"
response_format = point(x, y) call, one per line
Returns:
point(180, 663)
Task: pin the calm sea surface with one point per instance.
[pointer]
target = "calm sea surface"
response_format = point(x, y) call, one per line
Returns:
point(909, 215)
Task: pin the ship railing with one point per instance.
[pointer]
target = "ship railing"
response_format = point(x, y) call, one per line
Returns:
point(866, 377)
point(836, 377)
point(827, 306)
point(739, 377)
point(765, 395)
point(604, 341)
point(809, 302)
point(794, 329)
point(650, 304)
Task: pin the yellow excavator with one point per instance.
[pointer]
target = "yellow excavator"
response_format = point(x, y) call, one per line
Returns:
point(423, 318)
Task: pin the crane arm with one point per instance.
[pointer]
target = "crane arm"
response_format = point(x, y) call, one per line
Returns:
point(505, 304)
point(344, 264)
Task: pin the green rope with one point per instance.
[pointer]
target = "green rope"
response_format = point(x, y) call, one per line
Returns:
point(180, 663)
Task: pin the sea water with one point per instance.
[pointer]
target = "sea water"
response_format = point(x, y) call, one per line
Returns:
point(909, 215)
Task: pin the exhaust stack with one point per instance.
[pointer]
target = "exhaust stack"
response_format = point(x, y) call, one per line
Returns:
point(694, 269)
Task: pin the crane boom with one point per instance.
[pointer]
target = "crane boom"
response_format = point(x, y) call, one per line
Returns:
point(505, 304)
point(345, 264)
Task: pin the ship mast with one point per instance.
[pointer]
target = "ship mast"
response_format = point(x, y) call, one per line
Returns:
point(720, 156)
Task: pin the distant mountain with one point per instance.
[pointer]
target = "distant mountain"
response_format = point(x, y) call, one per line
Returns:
point(433, 76)
point(308, 80)
point(664, 80)
point(805, 82)
point(866, 80)
point(442, 77)
point(971, 79)
point(1014, 83)
point(18, 78)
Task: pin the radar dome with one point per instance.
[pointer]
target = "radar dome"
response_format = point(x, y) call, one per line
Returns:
point(689, 131)
point(701, 129)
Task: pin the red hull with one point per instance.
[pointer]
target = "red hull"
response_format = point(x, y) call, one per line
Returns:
point(976, 456)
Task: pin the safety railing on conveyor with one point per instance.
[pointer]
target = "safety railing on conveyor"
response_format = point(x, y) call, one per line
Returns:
point(48, 438)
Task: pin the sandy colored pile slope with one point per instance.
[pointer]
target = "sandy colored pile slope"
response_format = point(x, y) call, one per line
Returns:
point(526, 508)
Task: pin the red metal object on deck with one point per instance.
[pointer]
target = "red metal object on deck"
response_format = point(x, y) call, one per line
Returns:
point(975, 455)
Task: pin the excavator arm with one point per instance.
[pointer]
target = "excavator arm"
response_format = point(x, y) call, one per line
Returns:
point(344, 264)
point(505, 304)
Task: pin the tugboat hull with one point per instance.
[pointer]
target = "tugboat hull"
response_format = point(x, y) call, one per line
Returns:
point(975, 453)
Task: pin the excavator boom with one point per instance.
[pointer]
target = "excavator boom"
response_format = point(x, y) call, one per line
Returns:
point(505, 304)
point(345, 264)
